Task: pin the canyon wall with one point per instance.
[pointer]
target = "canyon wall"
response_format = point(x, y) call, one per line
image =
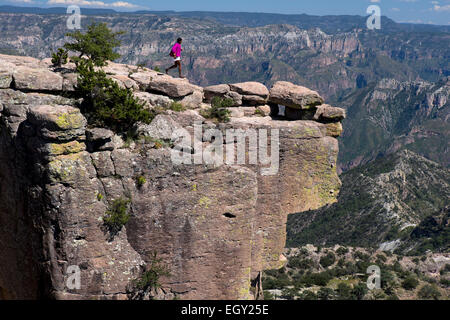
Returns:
point(216, 227)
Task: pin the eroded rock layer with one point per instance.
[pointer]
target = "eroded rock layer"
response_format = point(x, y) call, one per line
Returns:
point(216, 227)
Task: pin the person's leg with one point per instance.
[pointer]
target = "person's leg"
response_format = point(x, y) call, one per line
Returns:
point(179, 69)
point(172, 67)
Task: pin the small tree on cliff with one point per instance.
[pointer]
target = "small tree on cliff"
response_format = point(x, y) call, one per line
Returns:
point(104, 102)
point(97, 44)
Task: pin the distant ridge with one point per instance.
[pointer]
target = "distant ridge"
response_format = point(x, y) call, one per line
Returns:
point(55, 10)
point(330, 24)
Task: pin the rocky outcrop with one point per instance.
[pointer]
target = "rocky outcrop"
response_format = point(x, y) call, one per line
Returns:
point(216, 227)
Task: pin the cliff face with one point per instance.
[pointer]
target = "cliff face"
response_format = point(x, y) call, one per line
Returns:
point(216, 227)
point(389, 115)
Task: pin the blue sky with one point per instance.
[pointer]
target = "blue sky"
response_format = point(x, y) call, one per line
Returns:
point(414, 11)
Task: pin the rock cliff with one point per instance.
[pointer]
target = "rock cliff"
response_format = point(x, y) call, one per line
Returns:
point(216, 227)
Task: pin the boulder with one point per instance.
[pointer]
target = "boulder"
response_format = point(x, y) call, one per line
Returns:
point(216, 90)
point(58, 149)
point(161, 128)
point(143, 78)
point(240, 112)
point(154, 100)
point(328, 113)
point(264, 110)
point(100, 139)
point(5, 80)
point(113, 68)
point(222, 91)
point(26, 78)
point(253, 100)
point(236, 112)
point(192, 101)
point(124, 82)
point(63, 123)
point(294, 96)
point(19, 61)
point(334, 129)
point(70, 81)
point(174, 88)
point(250, 88)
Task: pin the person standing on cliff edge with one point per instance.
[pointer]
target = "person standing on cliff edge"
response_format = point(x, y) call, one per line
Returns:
point(175, 53)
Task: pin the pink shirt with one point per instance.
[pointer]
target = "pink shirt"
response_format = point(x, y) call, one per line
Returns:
point(177, 49)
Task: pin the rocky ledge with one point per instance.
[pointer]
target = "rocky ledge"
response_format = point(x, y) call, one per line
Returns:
point(215, 227)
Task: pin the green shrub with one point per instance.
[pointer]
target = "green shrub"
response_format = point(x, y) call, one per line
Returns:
point(315, 279)
point(307, 295)
point(141, 181)
point(289, 293)
point(176, 106)
point(105, 103)
point(410, 283)
point(99, 196)
point(157, 69)
point(445, 282)
point(382, 258)
point(97, 44)
point(342, 251)
point(445, 269)
point(218, 110)
point(268, 295)
point(344, 291)
point(429, 292)
point(325, 293)
point(388, 283)
point(361, 255)
point(359, 291)
point(117, 215)
point(299, 263)
point(154, 270)
point(327, 260)
point(59, 58)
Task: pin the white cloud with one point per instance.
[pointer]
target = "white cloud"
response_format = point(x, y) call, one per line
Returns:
point(24, 1)
point(93, 3)
point(439, 8)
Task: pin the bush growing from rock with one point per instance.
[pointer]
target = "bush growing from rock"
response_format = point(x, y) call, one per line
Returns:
point(60, 57)
point(150, 278)
point(219, 109)
point(141, 181)
point(117, 215)
point(105, 103)
point(176, 106)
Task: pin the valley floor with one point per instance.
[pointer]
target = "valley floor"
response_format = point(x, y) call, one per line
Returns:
point(340, 273)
